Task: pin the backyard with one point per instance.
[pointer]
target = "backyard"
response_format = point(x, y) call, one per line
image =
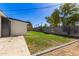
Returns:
point(38, 41)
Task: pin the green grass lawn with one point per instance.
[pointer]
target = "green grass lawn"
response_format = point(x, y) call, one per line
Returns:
point(38, 41)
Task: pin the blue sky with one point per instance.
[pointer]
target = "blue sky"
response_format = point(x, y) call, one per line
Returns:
point(35, 16)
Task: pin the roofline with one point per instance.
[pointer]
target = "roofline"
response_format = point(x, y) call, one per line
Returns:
point(18, 20)
point(4, 15)
point(13, 18)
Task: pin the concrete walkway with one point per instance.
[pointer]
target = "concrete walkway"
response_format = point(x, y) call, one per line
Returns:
point(13, 46)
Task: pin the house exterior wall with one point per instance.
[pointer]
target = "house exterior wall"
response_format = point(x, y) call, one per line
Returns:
point(18, 28)
point(0, 26)
point(1, 14)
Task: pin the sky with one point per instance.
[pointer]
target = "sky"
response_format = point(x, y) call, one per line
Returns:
point(26, 11)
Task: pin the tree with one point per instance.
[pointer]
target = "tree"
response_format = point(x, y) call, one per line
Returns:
point(54, 18)
point(66, 10)
point(45, 26)
point(67, 14)
point(73, 19)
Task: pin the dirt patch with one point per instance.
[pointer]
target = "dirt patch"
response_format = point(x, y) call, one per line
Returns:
point(70, 50)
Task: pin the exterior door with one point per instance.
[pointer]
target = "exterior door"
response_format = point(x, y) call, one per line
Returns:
point(5, 28)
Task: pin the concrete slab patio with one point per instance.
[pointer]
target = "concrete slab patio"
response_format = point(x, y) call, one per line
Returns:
point(13, 46)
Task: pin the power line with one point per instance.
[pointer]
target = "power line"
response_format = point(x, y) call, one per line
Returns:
point(32, 8)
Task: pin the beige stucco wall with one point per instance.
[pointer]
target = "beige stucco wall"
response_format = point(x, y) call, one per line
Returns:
point(18, 28)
